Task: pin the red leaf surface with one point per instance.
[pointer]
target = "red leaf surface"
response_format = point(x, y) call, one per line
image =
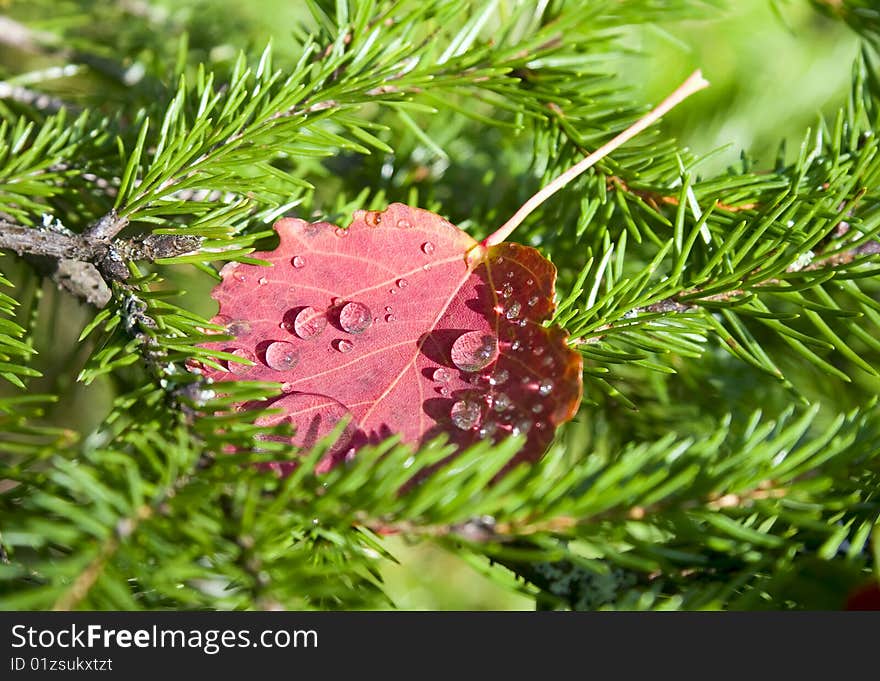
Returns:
point(407, 324)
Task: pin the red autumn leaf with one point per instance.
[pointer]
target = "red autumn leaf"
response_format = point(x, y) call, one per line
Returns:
point(407, 324)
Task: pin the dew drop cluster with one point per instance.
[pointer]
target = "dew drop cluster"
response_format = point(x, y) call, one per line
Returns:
point(488, 408)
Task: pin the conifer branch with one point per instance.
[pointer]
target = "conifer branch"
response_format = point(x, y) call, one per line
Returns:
point(690, 300)
point(38, 100)
point(87, 264)
point(42, 242)
point(486, 528)
point(657, 199)
point(694, 83)
point(123, 532)
point(87, 578)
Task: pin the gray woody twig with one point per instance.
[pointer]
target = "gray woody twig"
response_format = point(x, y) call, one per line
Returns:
point(87, 264)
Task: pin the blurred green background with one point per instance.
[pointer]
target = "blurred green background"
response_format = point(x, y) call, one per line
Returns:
point(774, 68)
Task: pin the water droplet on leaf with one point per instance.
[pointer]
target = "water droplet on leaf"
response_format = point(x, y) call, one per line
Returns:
point(298, 261)
point(545, 387)
point(281, 356)
point(373, 218)
point(427, 248)
point(442, 375)
point(309, 323)
point(487, 430)
point(506, 290)
point(238, 328)
point(340, 232)
point(521, 426)
point(533, 301)
point(513, 310)
point(465, 414)
point(402, 283)
point(355, 317)
point(474, 350)
point(262, 281)
point(499, 377)
point(390, 318)
point(501, 402)
point(343, 345)
point(238, 367)
point(404, 224)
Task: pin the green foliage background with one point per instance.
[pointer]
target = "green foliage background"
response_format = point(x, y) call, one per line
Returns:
point(778, 70)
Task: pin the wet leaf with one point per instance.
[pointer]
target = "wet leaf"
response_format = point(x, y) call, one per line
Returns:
point(405, 324)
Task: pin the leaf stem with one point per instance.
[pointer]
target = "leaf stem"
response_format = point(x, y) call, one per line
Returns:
point(694, 83)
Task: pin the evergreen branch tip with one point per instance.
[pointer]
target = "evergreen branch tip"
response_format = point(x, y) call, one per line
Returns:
point(694, 83)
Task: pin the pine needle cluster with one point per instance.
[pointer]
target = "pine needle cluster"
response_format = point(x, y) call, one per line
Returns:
point(726, 454)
